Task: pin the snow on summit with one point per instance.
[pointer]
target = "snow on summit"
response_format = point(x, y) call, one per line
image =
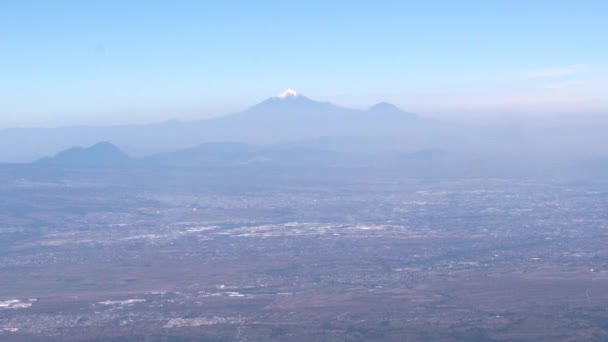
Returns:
point(288, 93)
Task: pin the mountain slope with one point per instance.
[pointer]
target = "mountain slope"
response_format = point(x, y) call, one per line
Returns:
point(385, 110)
point(234, 154)
point(287, 117)
point(100, 154)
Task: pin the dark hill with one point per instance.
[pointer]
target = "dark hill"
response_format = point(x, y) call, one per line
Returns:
point(100, 154)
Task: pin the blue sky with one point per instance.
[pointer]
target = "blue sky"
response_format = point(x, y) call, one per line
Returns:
point(116, 62)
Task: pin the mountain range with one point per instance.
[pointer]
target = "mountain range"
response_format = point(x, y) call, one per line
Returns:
point(296, 121)
point(214, 154)
point(287, 117)
point(100, 154)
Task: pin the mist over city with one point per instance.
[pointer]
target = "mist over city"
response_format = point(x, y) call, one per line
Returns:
point(303, 171)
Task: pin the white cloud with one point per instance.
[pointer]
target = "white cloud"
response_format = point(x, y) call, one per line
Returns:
point(556, 72)
point(563, 84)
point(548, 98)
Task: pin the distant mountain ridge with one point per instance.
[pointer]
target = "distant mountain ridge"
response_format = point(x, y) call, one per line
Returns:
point(295, 107)
point(217, 153)
point(385, 108)
point(231, 153)
point(100, 154)
point(293, 158)
point(287, 118)
point(290, 116)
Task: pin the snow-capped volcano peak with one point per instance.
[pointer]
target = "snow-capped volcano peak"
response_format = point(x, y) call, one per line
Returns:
point(288, 93)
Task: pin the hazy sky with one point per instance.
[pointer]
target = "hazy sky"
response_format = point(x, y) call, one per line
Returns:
point(75, 62)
